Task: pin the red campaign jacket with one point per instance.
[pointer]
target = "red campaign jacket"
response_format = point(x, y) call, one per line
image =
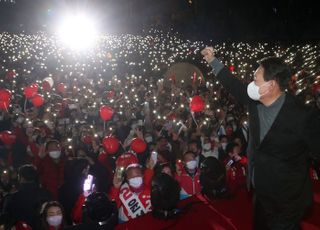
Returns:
point(189, 185)
point(196, 213)
point(76, 214)
point(144, 197)
point(51, 174)
point(236, 175)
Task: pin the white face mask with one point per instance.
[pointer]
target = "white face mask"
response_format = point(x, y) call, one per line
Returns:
point(54, 220)
point(135, 182)
point(224, 146)
point(253, 91)
point(148, 139)
point(192, 164)
point(207, 146)
point(55, 154)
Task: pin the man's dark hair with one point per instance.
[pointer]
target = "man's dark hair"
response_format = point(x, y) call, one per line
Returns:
point(51, 142)
point(231, 146)
point(159, 167)
point(189, 152)
point(276, 69)
point(196, 142)
point(222, 136)
point(165, 193)
point(98, 208)
point(28, 172)
point(213, 178)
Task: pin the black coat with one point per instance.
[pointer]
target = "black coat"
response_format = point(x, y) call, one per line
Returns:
point(281, 161)
point(25, 204)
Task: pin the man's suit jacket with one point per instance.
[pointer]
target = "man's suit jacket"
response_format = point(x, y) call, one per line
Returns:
point(281, 160)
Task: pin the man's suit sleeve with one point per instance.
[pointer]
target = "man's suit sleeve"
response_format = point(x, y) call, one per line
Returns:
point(7, 204)
point(230, 82)
point(311, 133)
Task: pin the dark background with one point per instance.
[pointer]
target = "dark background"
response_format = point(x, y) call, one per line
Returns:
point(223, 20)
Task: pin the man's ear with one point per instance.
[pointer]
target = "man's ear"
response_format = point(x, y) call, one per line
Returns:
point(273, 84)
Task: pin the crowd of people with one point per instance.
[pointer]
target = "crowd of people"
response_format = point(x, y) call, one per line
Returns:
point(56, 153)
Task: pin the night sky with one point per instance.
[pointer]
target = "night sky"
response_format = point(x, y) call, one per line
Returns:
point(230, 20)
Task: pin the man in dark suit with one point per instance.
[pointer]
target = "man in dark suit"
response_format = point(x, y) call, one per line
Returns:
point(283, 136)
point(25, 204)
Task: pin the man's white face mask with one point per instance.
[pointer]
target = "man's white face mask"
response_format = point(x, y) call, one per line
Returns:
point(253, 91)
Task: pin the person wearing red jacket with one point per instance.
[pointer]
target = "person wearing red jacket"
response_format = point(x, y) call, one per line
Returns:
point(50, 165)
point(236, 168)
point(189, 176)
point(133, 195)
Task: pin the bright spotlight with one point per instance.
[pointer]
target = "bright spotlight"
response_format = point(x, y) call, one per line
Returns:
point(78, 31)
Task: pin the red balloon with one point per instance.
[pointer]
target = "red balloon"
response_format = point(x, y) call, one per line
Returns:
point(7, 137)
point(106, 113)
point(138, 145)
point(110, 144)
point(197, 104)
point(126, 159)
point(31, 90)
point(37, 100)
point(46, 86)
point(231, 68)
point(61, 88)
point(4, 105)
point(5, 95)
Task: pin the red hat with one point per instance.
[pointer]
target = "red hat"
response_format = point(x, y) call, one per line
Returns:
point(126, 159)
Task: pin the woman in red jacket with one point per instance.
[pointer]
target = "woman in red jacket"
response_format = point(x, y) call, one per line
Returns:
point(189, 176)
